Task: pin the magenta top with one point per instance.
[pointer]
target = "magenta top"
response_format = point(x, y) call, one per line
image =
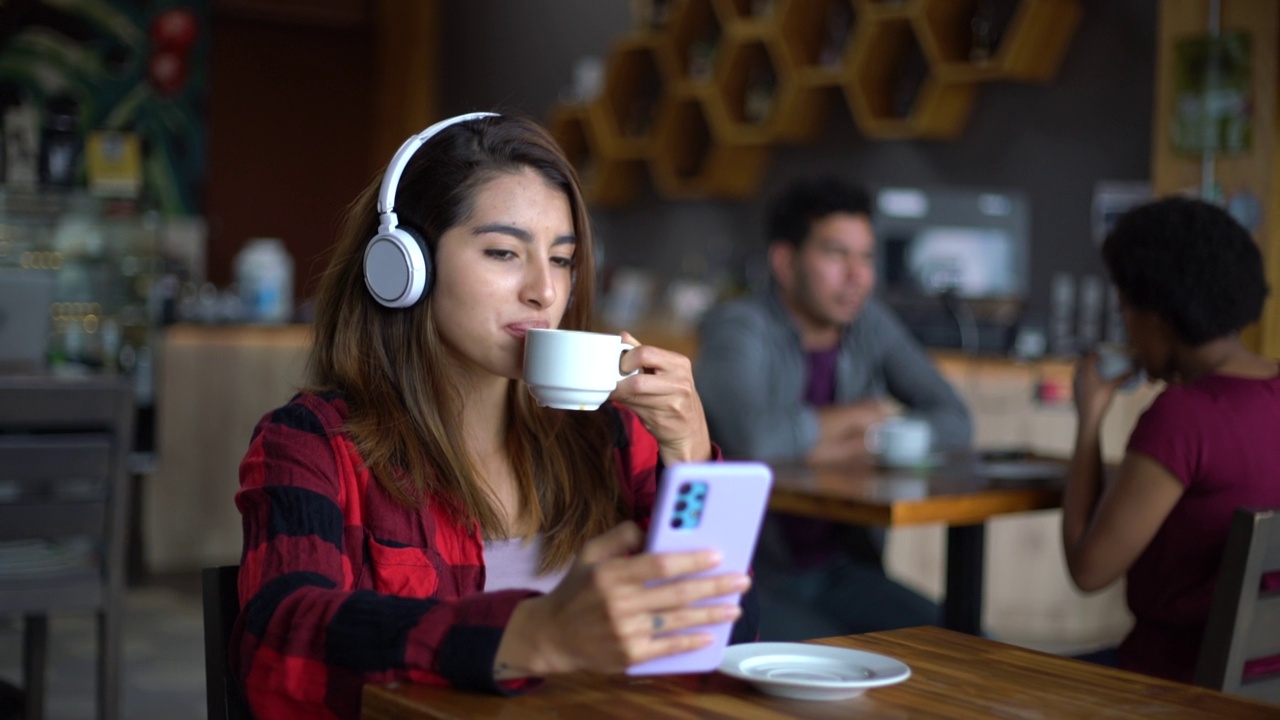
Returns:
point(1220, 436)
point(814, 542)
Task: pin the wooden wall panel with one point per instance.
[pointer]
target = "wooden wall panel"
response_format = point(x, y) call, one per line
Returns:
point(305, 106)
point(1255, 171)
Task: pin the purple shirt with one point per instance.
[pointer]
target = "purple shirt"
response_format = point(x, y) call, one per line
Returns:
point(813, 542)
point(1220, 437)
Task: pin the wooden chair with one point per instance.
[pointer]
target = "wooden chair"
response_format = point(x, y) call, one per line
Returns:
point(64, 500)
point(1244, 622)
point(221, 599)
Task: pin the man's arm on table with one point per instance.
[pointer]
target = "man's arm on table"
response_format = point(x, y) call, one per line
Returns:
point(841, 429)
point(913, 379)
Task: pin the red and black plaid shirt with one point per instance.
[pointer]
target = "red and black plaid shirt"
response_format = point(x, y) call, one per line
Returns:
point(341, 586)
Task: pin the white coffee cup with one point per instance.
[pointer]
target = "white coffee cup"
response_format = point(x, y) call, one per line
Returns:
point(900, 441)
point(1116, 361)
point(572, 369)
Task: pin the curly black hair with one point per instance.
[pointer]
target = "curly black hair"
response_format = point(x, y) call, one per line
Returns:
point(1189, 262)
point(804, 201)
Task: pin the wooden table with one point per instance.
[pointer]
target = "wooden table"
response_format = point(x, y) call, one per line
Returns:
point(962, 492)
point(953, 675)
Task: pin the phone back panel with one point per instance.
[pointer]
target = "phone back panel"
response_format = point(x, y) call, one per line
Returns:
point(701, 506)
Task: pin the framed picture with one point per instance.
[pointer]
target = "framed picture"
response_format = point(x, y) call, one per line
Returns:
point(1213, 99)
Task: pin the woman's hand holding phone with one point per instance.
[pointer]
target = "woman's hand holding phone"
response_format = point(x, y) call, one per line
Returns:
point(615, 609)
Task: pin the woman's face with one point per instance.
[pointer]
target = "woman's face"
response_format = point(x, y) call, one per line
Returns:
point(504, 269)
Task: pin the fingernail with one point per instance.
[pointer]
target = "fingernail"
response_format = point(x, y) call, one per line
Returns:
point(742, 582)
point(715, 557)
point(730, 612)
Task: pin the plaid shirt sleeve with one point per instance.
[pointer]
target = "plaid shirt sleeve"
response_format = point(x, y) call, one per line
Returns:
point(319, 619)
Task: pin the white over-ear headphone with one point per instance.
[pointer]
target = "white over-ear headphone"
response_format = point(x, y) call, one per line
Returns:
point(397, 267)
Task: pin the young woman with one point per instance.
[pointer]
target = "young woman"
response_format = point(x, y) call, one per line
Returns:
point(1190, 279)
point(414, 515)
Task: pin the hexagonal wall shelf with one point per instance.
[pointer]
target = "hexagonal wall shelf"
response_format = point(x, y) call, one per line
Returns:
point(975, 41)
point(755, 16)
point(744, 106)
point(605, 181)
point(892, 91)
point(689, 163)
point(694, 42)
point(815, 34)
point(703, 98)
point(625, 112)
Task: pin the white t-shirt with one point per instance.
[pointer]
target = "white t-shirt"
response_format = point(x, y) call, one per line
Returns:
point(510, 564)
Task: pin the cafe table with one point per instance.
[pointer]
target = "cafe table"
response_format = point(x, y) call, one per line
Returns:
point(961, 490)
point(953, 675)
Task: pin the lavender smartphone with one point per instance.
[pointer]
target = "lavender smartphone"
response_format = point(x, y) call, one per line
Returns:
point(701, 506)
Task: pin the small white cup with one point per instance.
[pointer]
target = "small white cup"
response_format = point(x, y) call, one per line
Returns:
point(572, 369)
point(1115, 361)
point(900, 441)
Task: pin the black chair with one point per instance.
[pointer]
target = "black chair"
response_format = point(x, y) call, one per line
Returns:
point(1244, 620)
point(221, 600)
point(64, 501)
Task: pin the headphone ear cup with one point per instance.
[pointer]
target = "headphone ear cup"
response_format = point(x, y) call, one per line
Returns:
point(397, 268)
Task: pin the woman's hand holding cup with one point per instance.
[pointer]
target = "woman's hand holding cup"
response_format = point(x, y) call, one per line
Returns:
point(1099, 375)
point(576, 370)
point(664, 397)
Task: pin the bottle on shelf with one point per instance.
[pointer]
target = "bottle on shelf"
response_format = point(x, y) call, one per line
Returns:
point(264, 274)
point(60, 142)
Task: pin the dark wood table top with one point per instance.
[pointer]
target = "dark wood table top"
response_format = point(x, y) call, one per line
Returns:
point(961, 489)
point(953, 675)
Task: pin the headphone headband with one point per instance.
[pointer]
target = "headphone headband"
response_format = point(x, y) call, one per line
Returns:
point(397, 266)
point(391, 179)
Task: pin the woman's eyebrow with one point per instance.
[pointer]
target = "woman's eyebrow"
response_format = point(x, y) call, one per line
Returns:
point(520, 233)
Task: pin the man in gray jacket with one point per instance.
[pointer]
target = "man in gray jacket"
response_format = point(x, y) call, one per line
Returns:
point(800, 372)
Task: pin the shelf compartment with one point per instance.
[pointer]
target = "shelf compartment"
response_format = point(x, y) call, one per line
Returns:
point(606, 182)
point(693, 43)
point(815, 37)
point(892, 92)
point(1026, 41)
point(750, 92)
point(750, 11)
point(689, 163)
point(893, 8)
point(626, 110)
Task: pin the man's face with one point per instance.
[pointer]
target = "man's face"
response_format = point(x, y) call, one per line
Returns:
point(828, 278)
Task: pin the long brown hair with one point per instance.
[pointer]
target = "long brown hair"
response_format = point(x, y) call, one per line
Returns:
point(386, 361)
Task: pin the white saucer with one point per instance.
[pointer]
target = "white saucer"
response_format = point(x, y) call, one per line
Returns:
point(1022, 470)
point(811, 672)
point(932, 460)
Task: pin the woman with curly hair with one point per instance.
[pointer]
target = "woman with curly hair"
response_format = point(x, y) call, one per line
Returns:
point(1190, 278)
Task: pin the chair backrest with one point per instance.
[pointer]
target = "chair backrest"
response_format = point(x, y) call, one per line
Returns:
point(221, 607)
point(1240, 654)
point(64, 500)
point(64, 469)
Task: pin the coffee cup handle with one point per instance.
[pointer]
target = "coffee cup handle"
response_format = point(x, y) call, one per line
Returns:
point(871, 438)
point(626, 347)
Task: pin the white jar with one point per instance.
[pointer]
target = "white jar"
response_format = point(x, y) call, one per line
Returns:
point(264, 274)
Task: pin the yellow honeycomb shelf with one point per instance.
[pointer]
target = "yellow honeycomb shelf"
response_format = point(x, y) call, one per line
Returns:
point(698, 104)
